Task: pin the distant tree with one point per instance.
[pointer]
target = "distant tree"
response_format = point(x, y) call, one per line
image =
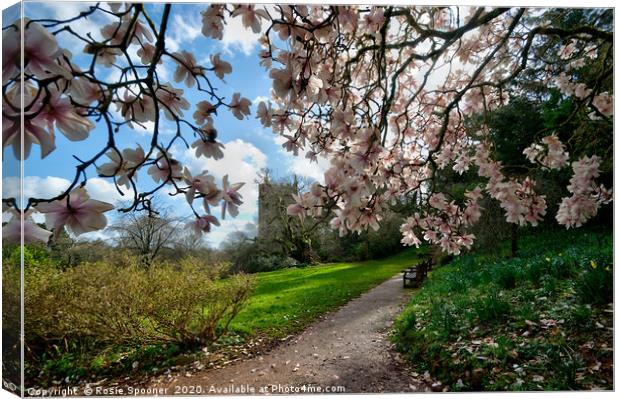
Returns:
point(146, 234)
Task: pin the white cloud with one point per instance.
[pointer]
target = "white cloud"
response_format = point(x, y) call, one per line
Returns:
point(66, 10)
point(51, 186)
point(258, 100)
point(220, 233)
point(302, 166)
point(242, 162)
point(238, 37)
point(184, 30)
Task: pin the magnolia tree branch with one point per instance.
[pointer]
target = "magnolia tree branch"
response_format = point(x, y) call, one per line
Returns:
point(116, 86)
point(384, 93)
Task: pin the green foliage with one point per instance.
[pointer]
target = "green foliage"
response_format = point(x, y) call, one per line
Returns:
point(74, 314)
point(528, 323)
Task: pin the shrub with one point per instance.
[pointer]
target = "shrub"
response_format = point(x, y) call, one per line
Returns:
point(103, 305)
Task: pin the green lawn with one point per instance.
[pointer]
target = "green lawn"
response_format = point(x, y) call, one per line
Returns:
point(286, 301)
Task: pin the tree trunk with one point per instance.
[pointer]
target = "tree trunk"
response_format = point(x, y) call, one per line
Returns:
point(514, 240)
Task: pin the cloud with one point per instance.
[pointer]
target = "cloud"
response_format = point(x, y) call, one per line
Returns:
point(184, 30)
point(238, 37)
point(51, 186)
point(66, 10)
point(221, 233)
point(300, 165)
point(242, 162)
point(258, 100)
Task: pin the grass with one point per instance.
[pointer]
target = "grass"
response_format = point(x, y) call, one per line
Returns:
point(283, 302)
point(540, 321)
point(286, 301)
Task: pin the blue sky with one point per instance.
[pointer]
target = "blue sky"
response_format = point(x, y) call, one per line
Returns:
point(248, 147)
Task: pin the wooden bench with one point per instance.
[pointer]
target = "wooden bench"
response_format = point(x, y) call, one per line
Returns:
point(416, 274)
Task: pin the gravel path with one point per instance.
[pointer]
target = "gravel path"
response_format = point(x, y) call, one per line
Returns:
point(348, 348)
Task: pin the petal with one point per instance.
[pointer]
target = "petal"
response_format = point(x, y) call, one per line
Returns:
point(84, 223)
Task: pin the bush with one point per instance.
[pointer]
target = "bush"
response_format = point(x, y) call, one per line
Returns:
point(102, 305)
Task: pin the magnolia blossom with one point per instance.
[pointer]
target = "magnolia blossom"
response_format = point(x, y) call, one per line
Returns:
point(203, 184)
point(250, 16)
point(239, 106)
point(41, 52)
point(586, 197)
point(203, 224)
point(208, 149)
point(84, 92)
point(138, 109)
point(146, 53)
point(231, 197)
point(604, 103)
point(264, 114)
point(123, 166)
point(60, 113)
point(12, 231)
point(172, 101)
point(32, 134)
point(213, 22)
point(187, 68)
point(296, 209)
point(220, 68)
point(78, 212)
point(204, 110)
point(550, 155)
point(166, 169)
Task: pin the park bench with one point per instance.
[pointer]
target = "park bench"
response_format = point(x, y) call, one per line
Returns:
point(414, 275)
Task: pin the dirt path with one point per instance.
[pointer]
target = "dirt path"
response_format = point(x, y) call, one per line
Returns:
point(349, 348)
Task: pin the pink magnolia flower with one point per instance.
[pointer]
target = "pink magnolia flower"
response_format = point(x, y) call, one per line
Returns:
point(264, 114)
point(239, 106)
point(12, 231)
point(172, 101)
point(339, 223)
point(139, 109)
point(438, 201)
point(166, 169)
point(187, 68)
point(566, 51)
point(462, 163)
point(41, 52)
point(33, 134)
point(231, 197)
point(297, 209)
point(282, 82)
point(202, 184)
point(220, 68)
point(372, 21)
point(213, 22)
point(410, 239)
point(84, 92)
point(208, 148)
point(604, 103)
point(250, 17)
point(203, 224)
point(204, 110)
point(146, 53)
point(79, 213)
point(60, 112)
point(122, 168)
